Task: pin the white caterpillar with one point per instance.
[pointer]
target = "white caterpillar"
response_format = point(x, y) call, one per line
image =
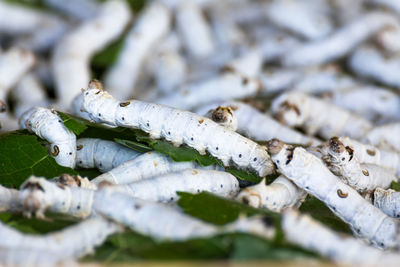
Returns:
point(164, 187)
point(339, 43)
point(9, 200)
point(260, 126)
point(150, 27)
point(385, 136)
point(163, 222)
point(71, 57)
point(318, 116)
point(362, 177)
point(309, 173)
point(74, 181)
point(79, 9)
point(46, 124)
point(32, 257)
point(102, 154)
point(280, 194)
point(274, 80)
point(178, 126)
point(224, 116)
point(145, 166)
point(388, 201)
point(310, 234)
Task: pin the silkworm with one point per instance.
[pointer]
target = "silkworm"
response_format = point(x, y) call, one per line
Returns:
point(32, 257)
point(296, 109)
point(145, 166)
point(46, 124)
point(150, 27)
point(79, 9)
point(280, 194)
point(199, 132)
point(9, 200)
point(163, 222)
point(249, 64)
point(260, 126)
point(224, 116)
point(38, 195)
point(385, 136)
point(74, 181)
point(194, 30)
point(388, 39)
point(72, 54)
point(339, 43)
point(277, 44)
point(362, 177)
point(163, 188)
point(275, 80)
point(310, 234)
point(379, 68)
point(388, 201)
point(101, 154)
point(309, 173)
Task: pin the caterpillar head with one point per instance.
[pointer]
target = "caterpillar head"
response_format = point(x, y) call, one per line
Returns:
point(224, 116)
point(290, 109)
point(250, 197)
point(338, 154)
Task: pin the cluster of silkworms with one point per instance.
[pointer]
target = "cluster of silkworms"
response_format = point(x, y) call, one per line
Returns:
point(306, 90)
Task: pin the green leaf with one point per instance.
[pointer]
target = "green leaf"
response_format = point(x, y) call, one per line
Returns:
point(22, 155)
point(395, 186)
point(134, 145)
point(75, 124)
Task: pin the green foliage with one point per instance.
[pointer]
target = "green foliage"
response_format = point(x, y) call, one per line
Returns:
point(395, 186)
point(75, 124)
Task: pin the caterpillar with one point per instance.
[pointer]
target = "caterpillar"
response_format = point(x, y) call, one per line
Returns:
point(304, 231)
point(145, 166)
point(46, 124)
point(71, 56)
point(362, 177)
point(298, 109)
point(78, 9)
point(163, 188)
point(179, 127)
point(9, 200)
point(385, 136)
point(102, 154)
point(309, 173)
point(387, 201)
point(32, 257)
point(339, 43)
point(280, 194)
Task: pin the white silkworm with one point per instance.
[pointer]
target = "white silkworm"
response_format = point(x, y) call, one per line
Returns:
point(224, 116)
point(277, 44)
point(101, 154)
point(248, 65)
point(145, 166)
point(161, 121)
point(317, 116)
point(150, 27)
point(339, 43)
point(260, 126)
point(309, 173)
point(9, 200)
point(310, 234)
point(71, 57)
point(80, 9)
point(275, 80)
point(32, 258)
point(388, 201)
point(280, 194)
point(389, 39)
point(164, 187)
point(38, 195)
point(74, 181)
point(46, 124)
point(230, 85)
point(307, 19)
point(14, 63)
point(385, 136)
point(368, 62)
point(194, 30)
point(70, 243)
point(362, 177)
point(163, 222)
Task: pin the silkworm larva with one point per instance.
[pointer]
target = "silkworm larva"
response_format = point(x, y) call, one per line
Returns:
point(362, 177)
point(385, 136)
point(280, 194)
point(163, 188)
point(79, 9)
point(9, 200)
point(46, 124)
point(145, 166)
point(388, 201)
point(339, 43)
point(102, 154)
point(309, 173)
point(161, 121)
point(152, 24)
point(318, 116)
point(32, 257)
point(72, 54)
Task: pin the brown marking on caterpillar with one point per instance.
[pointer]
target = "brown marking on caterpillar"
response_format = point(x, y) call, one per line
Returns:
point(350, 151)
point(195, 172)
point(219, 114)
point(246, 201)
point(96, 84)
point(155, 163)
point(79, 147)
point(227, 68)
point(201, 121)
point(365, 172)
point(274, 146)
point(33, 186)
point(290, 155)
point(77, 180)
point(56, 151)
point(3, 106)
point(287, 105)
point(341, 194)
point(371, 152)
point(124, 104)
point(335, 145)
point(245, 80)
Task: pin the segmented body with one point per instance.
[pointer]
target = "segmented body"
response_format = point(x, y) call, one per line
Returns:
point(388, 201)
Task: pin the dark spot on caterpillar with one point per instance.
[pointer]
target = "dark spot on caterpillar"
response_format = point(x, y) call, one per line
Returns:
point(350, 151)
point(278, 161)
point(101, 165)
point(343, 159)
point(381, 245)
point(169, 132)
point(227, 68)
point(245, 200)
point(77, 180)
point(289, 106)
point(148, 124)
point(290, 155)
point(191, 138)
point(307, 187)
point(201, 121)
point(97, 92)
point(198, 190)
point(333, 208)
point(56, 151)
point(86, 93)
point(365, 172)
point(267, 221)
point(172, 198)
point(60, 121)
point(371, 152)
point(341, 194)
point(78, 207)
point(245, 80)
point(222, 185)
point(70, 153)
point(123, 118)
point(240, 155)
point(124, 104)
point(80, 161)
point(216, 148)
point(255, 159)
point(79, 147)
point(33, 186)
point(63, 203)
point(99, 114)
